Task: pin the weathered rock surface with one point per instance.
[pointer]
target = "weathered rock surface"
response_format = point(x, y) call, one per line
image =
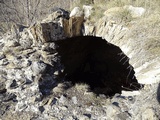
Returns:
point(142, 52)
point(32, 84)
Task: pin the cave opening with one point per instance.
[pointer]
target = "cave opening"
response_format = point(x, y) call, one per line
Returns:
point(98, 63)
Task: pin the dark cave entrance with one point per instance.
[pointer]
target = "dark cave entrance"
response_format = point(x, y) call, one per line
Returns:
point(94, 61)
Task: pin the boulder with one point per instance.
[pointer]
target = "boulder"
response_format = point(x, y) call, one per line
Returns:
point(25, 41)
point(135, 11)
point(56, 14)
point(76, 12)
point(73, 26)
point(88, 10)
point(89, 29)
point(46, 32)
point(38, 67)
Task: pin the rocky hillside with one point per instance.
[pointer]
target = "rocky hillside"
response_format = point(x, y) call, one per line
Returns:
point(34, 83)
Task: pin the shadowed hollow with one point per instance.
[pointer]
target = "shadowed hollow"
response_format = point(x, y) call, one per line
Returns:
point(94, 61)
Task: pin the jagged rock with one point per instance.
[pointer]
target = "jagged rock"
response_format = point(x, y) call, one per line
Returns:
point(2, 56)
point(112, 110)
point(84, 117)
point(13, 84)
point(12, 43)
point(76, 22)
point(49, 47)
point(64, 108)
point(135, 11)
point(25, 41)
point(39, 67)
point(16, 29)
point(62, 99)
point(4, 62)
point(1, 45)
point(56, 14)
point(50, 29)
point(46, 83)
point(122, 116)
point(2, 87)
point(9, 96)
point(88, 10)
point(46, 32)
point(73, 26)
point(149, 114)
point(76, 12)
point(89, 29)
point(74, 99)
point(41, 109)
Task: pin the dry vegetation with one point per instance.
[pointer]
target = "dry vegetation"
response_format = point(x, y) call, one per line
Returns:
point(26, 12)
point(152, 6)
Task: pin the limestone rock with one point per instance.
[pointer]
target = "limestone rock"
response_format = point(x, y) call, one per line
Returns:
point(56, 13)
point(39, 67)
point(62, 99)
point(50, 29)
point(76, 12)
point(74, 99)
point(135, 11)
point(112, 111)
point(122, 116)
point(25, 40)
point(149, 114)
point(88, 10)
point(12, 43)
point(89, 29)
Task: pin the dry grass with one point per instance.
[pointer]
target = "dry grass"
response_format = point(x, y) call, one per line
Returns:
point(103, 5)
point(82, 87)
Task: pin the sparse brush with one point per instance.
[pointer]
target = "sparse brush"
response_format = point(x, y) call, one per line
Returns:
point(82, 87)
point(124, 15)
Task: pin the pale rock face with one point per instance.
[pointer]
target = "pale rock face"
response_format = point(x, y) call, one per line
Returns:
point(89, 29)
point(149, 114)
point(112, 110)
point(76, 12)
point(88, 10)
point(39, 67)
point(135, 11)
